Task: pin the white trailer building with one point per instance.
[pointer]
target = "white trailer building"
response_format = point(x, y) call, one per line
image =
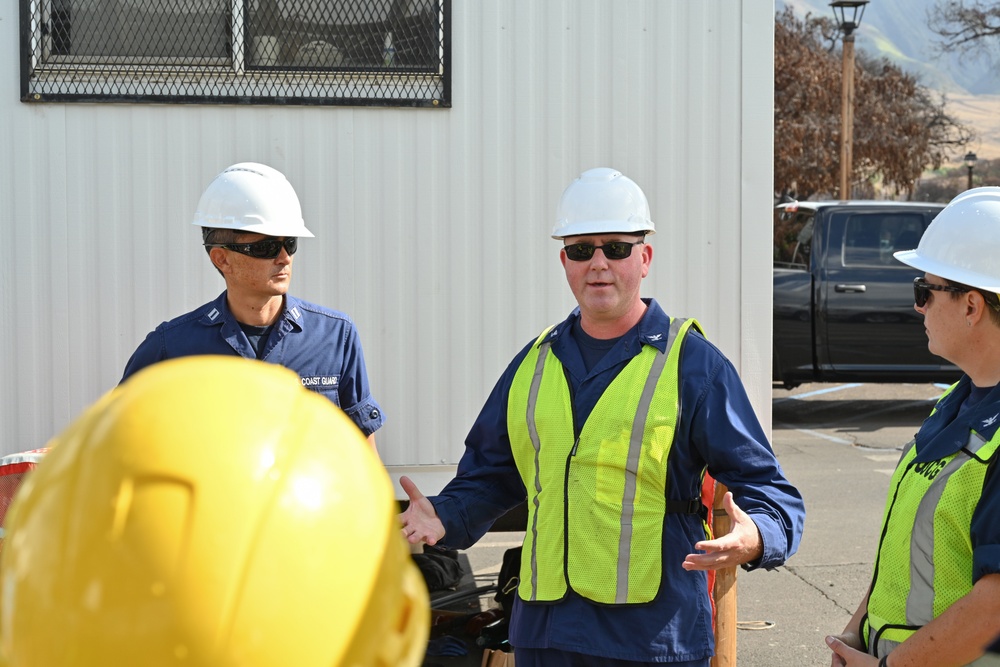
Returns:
point(430, 183)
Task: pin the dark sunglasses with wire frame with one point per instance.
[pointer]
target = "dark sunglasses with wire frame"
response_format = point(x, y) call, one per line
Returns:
point(263, 249)
point(922, 291)
point(581, 252)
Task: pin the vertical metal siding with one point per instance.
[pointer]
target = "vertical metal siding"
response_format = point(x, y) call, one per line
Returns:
point(432, 226)
point(756, 182)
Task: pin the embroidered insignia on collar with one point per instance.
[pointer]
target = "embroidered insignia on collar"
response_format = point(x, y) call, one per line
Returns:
point(991, 420)
point(652, 338)
point(213, 314)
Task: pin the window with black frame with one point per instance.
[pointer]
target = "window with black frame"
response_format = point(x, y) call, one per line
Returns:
point(792, 238)
point(374, 52)
point(871, 239)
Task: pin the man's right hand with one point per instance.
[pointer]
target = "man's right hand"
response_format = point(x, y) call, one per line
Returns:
point(420, 520)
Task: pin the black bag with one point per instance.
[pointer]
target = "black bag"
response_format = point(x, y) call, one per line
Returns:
point(510, 577)
point(440, 568)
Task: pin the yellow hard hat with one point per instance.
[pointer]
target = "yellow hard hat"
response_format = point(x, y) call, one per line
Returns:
point(210, 511)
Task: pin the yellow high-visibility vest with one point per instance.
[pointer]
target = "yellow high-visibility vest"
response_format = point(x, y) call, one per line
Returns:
point(596, 504)
point(924, 559)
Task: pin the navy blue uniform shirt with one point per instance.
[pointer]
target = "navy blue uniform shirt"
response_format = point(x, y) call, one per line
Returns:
point(319, 344)
point(718, 429)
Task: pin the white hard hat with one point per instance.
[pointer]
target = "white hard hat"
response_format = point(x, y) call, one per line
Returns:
point(963, 241)
point(602, 200)
point(251, 197)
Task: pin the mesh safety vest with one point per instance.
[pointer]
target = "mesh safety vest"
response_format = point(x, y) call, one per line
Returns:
point(924, 559)
point(596, 503)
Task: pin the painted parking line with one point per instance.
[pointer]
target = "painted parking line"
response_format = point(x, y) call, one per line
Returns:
point(828, 390)
point(882, 458)
point(818, 392)
point(817, 434)
point(892, 406)
point(889, 457)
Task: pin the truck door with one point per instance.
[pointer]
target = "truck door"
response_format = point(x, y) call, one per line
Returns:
point(867, 295)
point(792, 358)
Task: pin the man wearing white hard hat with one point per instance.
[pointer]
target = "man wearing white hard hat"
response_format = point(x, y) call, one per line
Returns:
point(251, 222)
point(934, 598)
point(605, 424)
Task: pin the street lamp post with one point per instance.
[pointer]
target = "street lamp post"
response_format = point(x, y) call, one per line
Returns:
point(848, 13)
point(970, 162)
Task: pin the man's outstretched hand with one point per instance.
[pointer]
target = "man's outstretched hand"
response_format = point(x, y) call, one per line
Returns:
point(420, 521)
point(741, 544)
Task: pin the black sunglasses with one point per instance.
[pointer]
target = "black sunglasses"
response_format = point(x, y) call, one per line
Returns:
point(581, 252)
point(263, 249)
point(922, 291)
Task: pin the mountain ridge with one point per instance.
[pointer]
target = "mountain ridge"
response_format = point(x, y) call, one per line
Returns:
point(898, 30)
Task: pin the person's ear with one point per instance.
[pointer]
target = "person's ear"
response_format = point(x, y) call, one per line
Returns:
point(647, 258)
point(975, 306)
point(220, 259)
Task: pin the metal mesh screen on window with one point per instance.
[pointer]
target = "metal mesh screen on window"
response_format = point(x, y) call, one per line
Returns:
point(386, 52)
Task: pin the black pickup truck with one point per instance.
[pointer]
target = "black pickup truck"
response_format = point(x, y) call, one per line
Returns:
point(843, 306)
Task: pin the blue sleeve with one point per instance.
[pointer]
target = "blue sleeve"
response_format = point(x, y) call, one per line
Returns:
point(356, 399)
point(150, 351)
point(723, 427)
point(487, 483)
point(986, 527)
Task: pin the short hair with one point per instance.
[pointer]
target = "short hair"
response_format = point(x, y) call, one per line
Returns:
point(212, 235)
point(991, 298)
point(217, 235)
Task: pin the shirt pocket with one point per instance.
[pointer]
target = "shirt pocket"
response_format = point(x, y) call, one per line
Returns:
point(327, 385)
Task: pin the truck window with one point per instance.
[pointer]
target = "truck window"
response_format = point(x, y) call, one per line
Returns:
point(792, 238)
point(870, 239)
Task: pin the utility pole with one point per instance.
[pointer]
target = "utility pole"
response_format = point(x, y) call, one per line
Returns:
point(848, 24)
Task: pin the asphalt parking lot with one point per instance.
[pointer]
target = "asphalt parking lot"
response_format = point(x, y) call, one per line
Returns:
point(875, 416)
point(839, 444)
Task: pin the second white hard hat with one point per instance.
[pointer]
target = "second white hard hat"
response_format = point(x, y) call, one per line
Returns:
point(962, 243)
point(602, 200)
point(251, 197)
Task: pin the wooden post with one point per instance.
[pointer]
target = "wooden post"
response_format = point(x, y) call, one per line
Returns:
point(847, 117)
point(724, 592)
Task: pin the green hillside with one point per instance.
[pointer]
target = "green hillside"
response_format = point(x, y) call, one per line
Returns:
point(897, 29)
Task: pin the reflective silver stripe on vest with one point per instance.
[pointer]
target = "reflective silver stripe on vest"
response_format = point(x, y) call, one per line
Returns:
point(920, 601)
point(989, 660)
point(632, 465)
point(536, 381)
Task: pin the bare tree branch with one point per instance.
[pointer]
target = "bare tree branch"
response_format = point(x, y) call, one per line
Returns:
point(900, 127)
point(965, 25)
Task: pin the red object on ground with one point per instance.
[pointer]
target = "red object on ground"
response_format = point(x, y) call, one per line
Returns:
point(12, 470)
